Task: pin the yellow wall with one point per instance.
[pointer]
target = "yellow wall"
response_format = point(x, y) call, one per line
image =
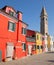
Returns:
point(38, 43)
point(48, 39)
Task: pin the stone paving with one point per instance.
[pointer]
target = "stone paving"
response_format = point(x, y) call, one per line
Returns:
point(40, 59)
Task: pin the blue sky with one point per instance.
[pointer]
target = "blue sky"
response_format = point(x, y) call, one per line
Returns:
point(31, 11)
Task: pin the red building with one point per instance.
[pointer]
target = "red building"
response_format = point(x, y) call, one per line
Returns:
point(31, 42)
point(12, 34)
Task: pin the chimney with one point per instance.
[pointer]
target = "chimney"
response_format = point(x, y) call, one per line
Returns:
point(19, 16)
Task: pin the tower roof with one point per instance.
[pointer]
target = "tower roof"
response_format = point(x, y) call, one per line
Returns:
point(43, 12)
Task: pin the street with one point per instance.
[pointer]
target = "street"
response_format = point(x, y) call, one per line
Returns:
point(40, 59)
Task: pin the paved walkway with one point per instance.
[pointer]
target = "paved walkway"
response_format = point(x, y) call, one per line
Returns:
point(40, 59)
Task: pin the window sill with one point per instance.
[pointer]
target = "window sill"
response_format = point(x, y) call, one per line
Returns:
point(10, 30)
point(23, 50)
point(24, 34)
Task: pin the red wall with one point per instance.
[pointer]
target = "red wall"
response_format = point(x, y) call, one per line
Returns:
point(7, 36)
point(30, 33)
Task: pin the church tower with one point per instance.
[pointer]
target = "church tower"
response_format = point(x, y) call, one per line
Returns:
point(44, 22)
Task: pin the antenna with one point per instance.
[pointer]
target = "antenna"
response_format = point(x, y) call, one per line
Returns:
point(44, 4)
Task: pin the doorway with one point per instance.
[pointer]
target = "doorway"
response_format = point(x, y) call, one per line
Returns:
point(9, 51)
point(29, 50)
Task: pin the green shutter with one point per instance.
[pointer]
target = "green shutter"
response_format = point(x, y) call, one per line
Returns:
point(23, 30)
point(24, 46)
point(11, 26)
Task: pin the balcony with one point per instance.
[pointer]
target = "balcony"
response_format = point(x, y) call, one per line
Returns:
point(31, 39)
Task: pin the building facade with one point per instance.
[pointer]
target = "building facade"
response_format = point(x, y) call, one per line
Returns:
point(16, 41)
point(44, 26)
point(39, 45)
point(51, 43)
point(44, 22)
point(31, 43)
point(12, 34)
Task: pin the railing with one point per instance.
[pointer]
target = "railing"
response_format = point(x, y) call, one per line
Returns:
point(31, 39)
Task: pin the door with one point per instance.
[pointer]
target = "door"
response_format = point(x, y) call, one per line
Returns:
point(29, 49)
point(10, 50)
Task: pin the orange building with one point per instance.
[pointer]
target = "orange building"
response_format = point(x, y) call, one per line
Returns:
point(12, 34)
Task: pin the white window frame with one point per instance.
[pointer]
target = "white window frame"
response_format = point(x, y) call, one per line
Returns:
point(10, 29)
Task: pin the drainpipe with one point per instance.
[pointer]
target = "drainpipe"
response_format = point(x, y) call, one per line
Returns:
point(19, 17)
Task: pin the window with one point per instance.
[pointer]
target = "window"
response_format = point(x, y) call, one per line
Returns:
point(46, 18)
point(43, 39)
point(33, 35)
point(37, 37)
point(37, 46)
point(41, 47)
point(40, 38)
point(11, 13)
point(34, 47)
point(23, 30)
point(24, 46)
point(43, 19)
point(11, 26)
point(53, 44)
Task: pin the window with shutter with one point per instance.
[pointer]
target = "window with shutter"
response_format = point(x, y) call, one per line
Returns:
point(37, 37)
point(11, 26)
point(11, 13)
point(23, 46)
point(34, 47)
point(23, 30)
point(37, 46)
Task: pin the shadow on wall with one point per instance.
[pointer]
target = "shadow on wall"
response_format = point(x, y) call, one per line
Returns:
point(49, 52)
point(51, 61)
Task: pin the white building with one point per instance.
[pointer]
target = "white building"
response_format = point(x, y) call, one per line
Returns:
point(51, 43)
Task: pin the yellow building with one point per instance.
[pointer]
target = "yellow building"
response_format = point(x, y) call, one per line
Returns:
point(48, 40)
point(38, 43)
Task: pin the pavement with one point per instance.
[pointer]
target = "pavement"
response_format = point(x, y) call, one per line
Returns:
point(40, 59)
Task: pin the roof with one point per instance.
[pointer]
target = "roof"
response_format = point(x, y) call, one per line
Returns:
point(19, 11)
point(23, 22)
point(8, 6)
point(31, 30)
point(3, 11)
point(43, 12)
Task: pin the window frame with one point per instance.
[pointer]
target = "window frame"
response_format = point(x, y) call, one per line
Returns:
point(37, 37)
point(10, 23)
point(11, 13)
point(41, 47)
point(38, 47)
point(24, 31)
point(24, 46)
point(34, 47)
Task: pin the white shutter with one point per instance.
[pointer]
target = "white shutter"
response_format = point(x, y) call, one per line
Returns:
point(10, 50)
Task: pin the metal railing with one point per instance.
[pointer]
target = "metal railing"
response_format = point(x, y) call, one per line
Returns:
point(31, 39)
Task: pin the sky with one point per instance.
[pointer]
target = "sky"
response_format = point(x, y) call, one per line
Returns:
point(31, 10)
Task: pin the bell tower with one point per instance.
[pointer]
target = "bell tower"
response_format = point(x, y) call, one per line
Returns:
point(44, 21)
